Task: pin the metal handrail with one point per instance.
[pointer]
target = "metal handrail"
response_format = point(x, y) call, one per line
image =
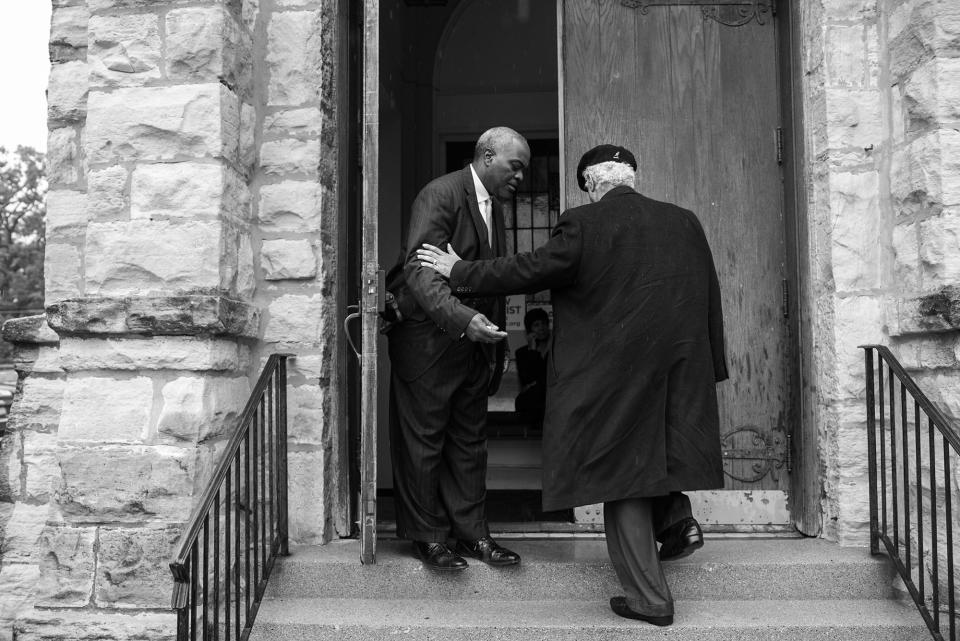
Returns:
point(249, 483)
point(890, 504)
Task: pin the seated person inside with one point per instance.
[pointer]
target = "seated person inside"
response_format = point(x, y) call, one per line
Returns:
point(531, 362)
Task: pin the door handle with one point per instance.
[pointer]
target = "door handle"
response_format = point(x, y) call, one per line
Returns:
point(352, 316)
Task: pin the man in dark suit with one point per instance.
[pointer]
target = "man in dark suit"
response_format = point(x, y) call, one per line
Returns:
point(631, 417)
point(447, 356)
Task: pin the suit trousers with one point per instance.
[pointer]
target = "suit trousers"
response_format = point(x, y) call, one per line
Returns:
point(632, 529)
point(438, 441)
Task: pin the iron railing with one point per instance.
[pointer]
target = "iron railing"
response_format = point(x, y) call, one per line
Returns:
point(911, 466)
point(239, 526)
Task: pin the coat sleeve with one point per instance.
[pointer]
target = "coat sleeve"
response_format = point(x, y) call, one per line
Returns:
point(552, 265)
point(432, 221)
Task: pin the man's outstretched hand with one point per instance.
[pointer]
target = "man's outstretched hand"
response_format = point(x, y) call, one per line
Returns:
point(481, 330)
point(435, 258)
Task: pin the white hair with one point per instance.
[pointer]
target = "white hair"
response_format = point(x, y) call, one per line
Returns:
point(612, 173)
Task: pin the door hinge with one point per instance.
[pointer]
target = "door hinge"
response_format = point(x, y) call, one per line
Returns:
point(779, 138)
point(785, 292)
point(789, 454)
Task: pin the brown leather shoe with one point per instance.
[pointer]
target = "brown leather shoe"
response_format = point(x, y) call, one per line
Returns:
point(437, 556)
point(681, 539)
point(489, 551)
point(619, 606)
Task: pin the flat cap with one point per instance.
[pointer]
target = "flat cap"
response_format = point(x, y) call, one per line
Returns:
point(603, 153)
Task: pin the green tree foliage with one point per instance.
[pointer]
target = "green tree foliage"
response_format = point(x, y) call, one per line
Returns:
point(23, 186)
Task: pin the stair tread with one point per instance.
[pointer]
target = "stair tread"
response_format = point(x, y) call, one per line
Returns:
point(568, 614)
point(718, 551)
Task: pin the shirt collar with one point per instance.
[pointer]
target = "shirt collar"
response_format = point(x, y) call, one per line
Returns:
point(482, 193)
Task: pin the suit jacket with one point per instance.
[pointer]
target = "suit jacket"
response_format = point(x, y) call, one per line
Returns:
point(446, 211)
point(637, 349)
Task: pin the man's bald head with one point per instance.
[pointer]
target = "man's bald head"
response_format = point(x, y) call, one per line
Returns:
point(499, 159)
point(496, 140)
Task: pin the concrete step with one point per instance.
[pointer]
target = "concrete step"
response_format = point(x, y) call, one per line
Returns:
point(733, 569)
point(309, 619)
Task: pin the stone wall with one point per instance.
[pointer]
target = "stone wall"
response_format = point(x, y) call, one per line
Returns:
point(191, 221)
point(881, 111)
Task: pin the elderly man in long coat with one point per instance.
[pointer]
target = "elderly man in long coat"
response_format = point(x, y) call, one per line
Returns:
point(631, 417)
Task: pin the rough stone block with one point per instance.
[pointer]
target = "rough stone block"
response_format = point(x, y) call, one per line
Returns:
point(296, 319)
point(846, 56)
point(162, 123)
point(854, 202)
point(199, 408)
point(189, 190)
point(62, 157)
point(289, 156)
point(66, 211)
point(67, 93)
point(287, 259)
point(185, 189)
point(62, 268)
point(38, 406)
point(11, 461)
point(938, 311)
point(40, 466)
point(125, 484)
point(66, 567)
point(906, 248)
point(927, 352)
point(155, 353)
point(106, 410)
point(305, 416)
point(107, 193)
point(132, 569)
point(159, 256)
point(68, 26)
point(854, 10)
point(290, 206)
point(22, 531)
point(308, 480)
point(249, 11)
point(854, 119)
point(205, 43)
point(931, 94)
point(29, 329)
point(246, 277)
point(293, 122)
point(248, 131)
point(124, 50)
point(155, 316)
point(294, 58)
point(928, 169)
point(46, 361)
point(102, 625)
point(940, 251)
point(18, 582)
point(859, 320)
point(943, 388)
point(310, 366)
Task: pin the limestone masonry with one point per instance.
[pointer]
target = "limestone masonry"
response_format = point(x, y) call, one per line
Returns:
point(192, 231)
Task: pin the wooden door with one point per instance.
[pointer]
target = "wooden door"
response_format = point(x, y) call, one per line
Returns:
point(691, 88)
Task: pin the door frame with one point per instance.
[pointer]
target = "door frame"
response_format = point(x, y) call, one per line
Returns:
point(805, 482)
point(805, 490)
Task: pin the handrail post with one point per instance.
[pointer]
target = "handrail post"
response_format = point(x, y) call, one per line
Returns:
point(283, 529)
point(872, 449)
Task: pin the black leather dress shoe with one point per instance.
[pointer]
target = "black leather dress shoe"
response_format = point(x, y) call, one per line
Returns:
point(488, 551)
point(437, 556)
point(681, 539)
point(619, 605)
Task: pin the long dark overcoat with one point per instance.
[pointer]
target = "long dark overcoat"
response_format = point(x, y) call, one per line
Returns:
point(637, 349)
